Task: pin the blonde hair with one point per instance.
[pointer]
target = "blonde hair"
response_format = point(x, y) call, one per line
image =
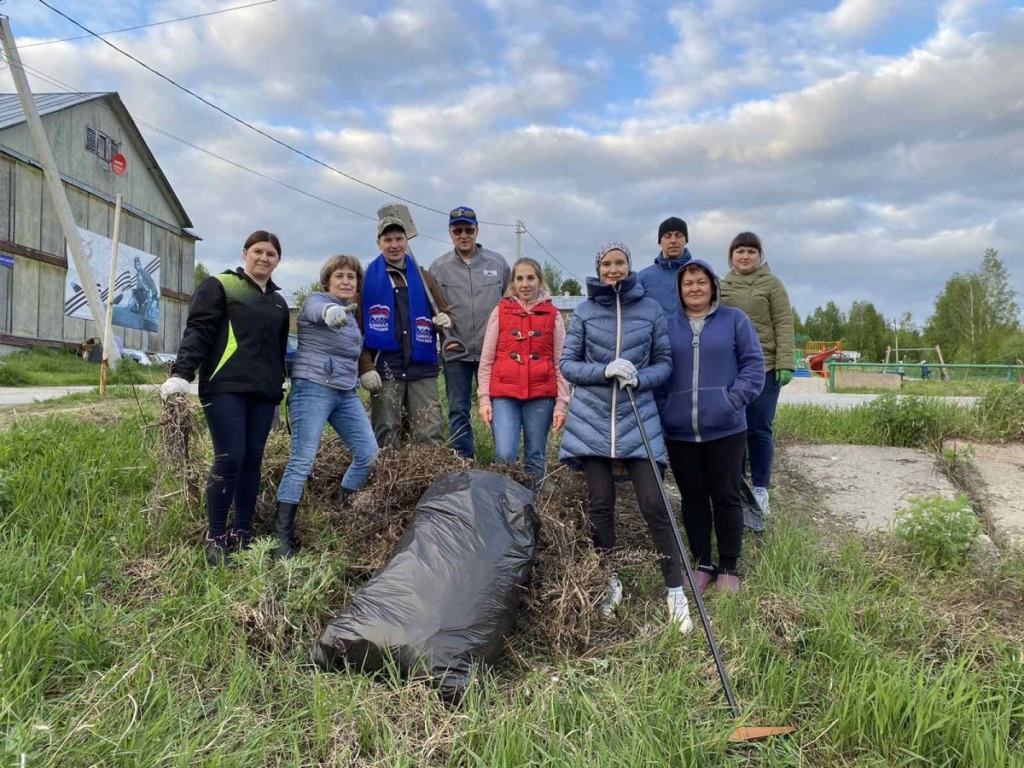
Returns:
point(341, 261)
point(510, 292)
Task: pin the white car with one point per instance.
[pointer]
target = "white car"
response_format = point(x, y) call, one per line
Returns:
point(138, 356)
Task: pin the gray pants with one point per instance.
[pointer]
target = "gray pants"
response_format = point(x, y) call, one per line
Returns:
point(420, 403)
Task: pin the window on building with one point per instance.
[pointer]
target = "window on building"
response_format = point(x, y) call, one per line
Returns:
point(100, 144)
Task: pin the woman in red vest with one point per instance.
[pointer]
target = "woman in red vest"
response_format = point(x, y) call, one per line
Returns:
point(520, 388)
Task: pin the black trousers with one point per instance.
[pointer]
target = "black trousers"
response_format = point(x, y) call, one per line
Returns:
point(708, 476)
point(601, 511)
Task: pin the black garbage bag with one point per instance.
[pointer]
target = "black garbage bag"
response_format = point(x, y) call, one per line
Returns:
point(450, 592)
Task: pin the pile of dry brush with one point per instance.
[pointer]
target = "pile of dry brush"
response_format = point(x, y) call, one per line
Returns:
point(559, 608)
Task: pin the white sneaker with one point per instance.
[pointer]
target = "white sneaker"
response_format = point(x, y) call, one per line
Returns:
point(679, 610)
point(611, 601)
point(761, 495)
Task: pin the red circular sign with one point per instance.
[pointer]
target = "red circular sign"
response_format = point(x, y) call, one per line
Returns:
point(118, 164)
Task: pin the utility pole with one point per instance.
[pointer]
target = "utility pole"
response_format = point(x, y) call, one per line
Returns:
point(896, 333)
point(53, 181)
point(107, 336)
point(520, 228)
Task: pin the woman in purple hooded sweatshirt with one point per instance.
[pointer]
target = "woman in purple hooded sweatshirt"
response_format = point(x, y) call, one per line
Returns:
point(717, 370)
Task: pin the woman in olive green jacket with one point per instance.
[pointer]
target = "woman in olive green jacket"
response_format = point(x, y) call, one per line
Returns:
point(751, 287)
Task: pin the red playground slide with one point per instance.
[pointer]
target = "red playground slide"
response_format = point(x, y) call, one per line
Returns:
point(817, 362)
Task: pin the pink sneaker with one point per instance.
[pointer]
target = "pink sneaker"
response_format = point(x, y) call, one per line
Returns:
point(726, 582)
point(703, 579)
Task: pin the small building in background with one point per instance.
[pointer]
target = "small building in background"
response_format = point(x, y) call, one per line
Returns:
point(566, 305)
point(85, 131)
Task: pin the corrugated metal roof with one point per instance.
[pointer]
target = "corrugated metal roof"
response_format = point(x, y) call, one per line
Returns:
point(46, 103)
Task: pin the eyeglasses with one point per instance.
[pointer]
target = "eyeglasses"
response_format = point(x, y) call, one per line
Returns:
point(462, 213)
point(463, 230)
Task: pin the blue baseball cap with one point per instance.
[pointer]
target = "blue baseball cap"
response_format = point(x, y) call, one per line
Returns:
point(462, 213)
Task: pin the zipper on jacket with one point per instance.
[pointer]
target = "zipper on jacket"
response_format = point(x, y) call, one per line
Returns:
point(618, 352)
point(696, 378)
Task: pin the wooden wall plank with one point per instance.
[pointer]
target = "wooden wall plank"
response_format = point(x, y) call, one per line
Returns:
point(28, 191)
point(51, 302)
point(25, 311)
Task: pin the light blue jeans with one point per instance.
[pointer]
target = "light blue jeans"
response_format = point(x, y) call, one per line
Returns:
point(532, 419)
point(311, 407)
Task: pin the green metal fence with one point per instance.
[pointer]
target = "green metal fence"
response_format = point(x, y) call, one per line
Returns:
point(933, 372)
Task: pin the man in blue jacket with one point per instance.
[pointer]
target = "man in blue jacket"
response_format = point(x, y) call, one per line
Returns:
point(659, 279)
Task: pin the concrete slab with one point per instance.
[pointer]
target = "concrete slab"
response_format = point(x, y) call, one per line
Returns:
point(997, 484)
point(865, 486)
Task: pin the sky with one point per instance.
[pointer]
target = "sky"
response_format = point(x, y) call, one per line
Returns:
point(876, 146)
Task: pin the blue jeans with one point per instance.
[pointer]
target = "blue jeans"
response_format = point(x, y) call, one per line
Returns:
point(239, 426)
point(311, 407)
point(760, 437)
point(458, 381)
point(533, 419)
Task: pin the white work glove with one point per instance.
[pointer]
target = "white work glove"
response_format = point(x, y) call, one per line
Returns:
point(620, 368)
point(441, 320)
point(336, 316)
point(370, 381)
point(175, 385)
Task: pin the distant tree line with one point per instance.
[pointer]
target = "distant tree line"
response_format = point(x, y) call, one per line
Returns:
point(975, 319)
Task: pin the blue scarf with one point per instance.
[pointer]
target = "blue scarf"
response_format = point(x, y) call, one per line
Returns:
point(379, 312)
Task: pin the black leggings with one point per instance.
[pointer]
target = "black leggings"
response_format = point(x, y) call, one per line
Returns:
point(709, 474)
point(601, 510)
point(239, 426)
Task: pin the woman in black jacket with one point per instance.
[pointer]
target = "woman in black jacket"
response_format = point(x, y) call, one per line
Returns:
point(235, 337)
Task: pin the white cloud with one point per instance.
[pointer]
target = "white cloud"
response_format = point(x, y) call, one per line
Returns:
point(863, 173)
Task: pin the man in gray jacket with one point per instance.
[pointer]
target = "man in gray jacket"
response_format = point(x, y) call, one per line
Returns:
point(472, 281)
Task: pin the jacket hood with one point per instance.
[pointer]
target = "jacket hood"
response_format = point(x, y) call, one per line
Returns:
point(716, 289)
point(665, 263)
point(627, 288)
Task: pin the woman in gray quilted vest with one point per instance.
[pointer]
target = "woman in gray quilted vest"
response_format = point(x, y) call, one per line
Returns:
point(616, 339)
point(324, 378)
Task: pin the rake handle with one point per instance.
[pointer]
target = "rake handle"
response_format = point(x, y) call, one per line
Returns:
point(704, 619)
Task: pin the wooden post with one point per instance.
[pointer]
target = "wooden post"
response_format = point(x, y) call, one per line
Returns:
point(108, 337)
point(53, 180)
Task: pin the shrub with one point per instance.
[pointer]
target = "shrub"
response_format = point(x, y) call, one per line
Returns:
point(939, 531)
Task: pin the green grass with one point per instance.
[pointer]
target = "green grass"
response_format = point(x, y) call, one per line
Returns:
point(955, 388)
point(119, 648)
point(39, 367)
point(907, 421)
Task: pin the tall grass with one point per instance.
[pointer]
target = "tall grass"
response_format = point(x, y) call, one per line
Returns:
point(39, 367)
point(118, 647)
point(908, 422)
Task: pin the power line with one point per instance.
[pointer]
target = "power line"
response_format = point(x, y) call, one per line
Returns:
point(59, 84)
point(549, 253)
point(252, 127)
point(151, 24)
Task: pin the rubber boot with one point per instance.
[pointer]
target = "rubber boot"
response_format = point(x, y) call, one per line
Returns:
point(284, 521)
point(344, 497)
point(218, 550)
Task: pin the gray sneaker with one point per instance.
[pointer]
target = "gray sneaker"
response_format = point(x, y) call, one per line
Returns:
point(612, 599)
point(761, 494)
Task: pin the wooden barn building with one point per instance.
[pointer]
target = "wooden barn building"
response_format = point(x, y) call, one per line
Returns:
point(85, 131)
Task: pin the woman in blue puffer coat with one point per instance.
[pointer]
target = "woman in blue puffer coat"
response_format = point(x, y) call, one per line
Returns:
point(617, 339)
point(324, 378)
point(717, 370)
